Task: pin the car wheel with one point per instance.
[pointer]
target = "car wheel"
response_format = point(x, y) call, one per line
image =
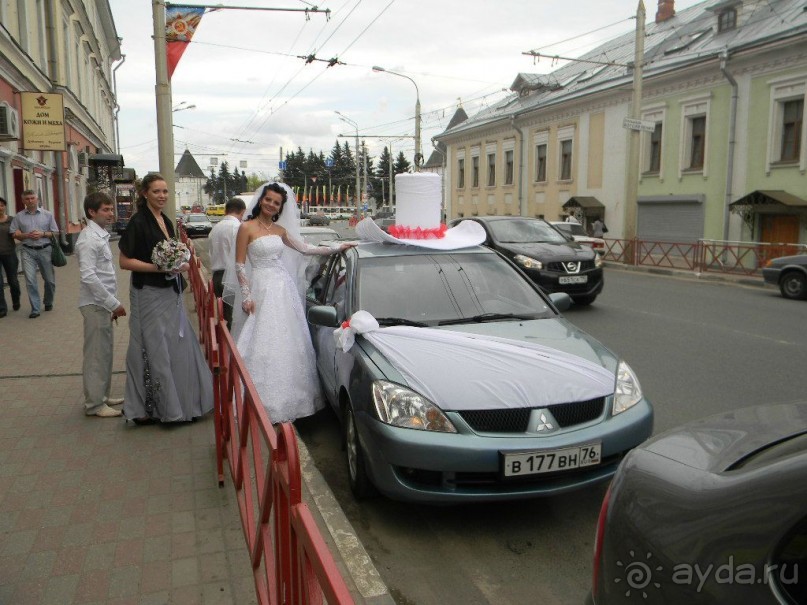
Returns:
point(793, 285)
point(584, 300)
point(360, 483)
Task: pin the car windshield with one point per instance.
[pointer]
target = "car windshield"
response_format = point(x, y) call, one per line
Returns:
point(441, 288)
point(518, 231)
point(197, 219)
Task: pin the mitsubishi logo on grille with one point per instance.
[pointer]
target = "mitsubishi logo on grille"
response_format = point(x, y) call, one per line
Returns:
point(572, 267)
point(541, 421)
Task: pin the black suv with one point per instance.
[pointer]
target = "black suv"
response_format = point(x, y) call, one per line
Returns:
point(545, 255)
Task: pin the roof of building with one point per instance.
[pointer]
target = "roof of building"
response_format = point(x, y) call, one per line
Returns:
point(187, 166)
point(437, 156)
point(685, 39)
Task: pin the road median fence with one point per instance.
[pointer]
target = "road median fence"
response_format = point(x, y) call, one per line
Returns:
point(291, 562)
point(703, 256)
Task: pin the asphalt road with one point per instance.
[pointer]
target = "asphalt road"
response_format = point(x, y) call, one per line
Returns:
point(698, 348)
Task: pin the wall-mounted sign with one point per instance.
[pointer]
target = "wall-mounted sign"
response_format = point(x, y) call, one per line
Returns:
point(42, 121)
point(643, 125)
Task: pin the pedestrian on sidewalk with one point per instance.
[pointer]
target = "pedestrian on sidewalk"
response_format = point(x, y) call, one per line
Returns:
point(167, 377)
point(222, 249)
point(8, 261)
point(99, 305)
point(34, 227)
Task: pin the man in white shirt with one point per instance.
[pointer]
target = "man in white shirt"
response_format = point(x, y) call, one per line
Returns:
point(222, 248)
point(98, 303)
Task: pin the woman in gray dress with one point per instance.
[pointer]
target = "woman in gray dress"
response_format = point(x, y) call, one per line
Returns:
point(167, 378)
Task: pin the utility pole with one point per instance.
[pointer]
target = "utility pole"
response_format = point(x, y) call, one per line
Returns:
point(632, 177)
point(162, 92)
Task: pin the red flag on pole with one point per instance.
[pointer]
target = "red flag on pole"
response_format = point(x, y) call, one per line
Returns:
point(181, 22)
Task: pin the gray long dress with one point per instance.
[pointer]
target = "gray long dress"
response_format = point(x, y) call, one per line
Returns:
point(178, 381)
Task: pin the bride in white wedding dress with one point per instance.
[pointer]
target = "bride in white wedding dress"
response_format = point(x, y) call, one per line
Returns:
point(271, 331)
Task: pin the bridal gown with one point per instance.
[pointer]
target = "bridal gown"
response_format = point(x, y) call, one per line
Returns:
point(274, 340)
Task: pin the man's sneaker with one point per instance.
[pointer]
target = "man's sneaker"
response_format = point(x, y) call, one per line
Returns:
point(107, 412)
point(113, 400)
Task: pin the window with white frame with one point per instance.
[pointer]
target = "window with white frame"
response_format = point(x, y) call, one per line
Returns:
point(653, 142)
point(540, 163)
point(566, 160)
point(565, 150)
point(788, 138)
point(508, 167)
point(475, 171)
point(461, 173)
point(792, 125)
point(491, 169)
point(695, 136)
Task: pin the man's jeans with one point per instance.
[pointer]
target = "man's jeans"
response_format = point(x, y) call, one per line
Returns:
point(31, 259)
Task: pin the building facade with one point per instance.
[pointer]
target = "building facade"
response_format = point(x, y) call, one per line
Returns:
point(722, 155)
point(67, 48)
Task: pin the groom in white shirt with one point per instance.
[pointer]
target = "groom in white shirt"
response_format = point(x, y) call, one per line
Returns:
point(222, 248)
point(98, 303)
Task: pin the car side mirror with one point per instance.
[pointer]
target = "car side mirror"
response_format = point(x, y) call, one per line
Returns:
point(561, 300)
point(323, 315)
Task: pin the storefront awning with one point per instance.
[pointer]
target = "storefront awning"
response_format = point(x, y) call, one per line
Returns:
point(769, 198)
point(586, 202)
point(107, 159)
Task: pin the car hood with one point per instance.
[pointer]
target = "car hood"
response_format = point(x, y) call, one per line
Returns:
point(797, 259)
point(476, 375)
point(716, 443)
point(549, 252)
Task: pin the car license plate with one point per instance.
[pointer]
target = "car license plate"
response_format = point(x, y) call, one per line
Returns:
point(550, 461)
point(573, 279)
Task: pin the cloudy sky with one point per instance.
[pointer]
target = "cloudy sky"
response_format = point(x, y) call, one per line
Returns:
point(254, 94)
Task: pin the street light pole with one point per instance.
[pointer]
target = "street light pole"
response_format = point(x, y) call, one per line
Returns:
point(418, 155)
point(346, 119)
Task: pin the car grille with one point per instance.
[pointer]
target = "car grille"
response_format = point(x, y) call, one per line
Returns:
point(516, 420)
point(586, 265)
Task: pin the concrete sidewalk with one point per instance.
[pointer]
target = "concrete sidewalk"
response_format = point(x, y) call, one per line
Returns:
point(95, 510)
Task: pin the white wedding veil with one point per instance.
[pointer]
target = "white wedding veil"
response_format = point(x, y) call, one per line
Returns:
point(294, 261)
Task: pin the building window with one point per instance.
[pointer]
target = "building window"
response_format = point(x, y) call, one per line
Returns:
point(566, 160)
point(491, 169)
point(461, 173)
point(655, 149)
point(697, 139)
point(727, 20)
point(540, 163)
point(475, 171)
point(792, 124)
point(508, 167)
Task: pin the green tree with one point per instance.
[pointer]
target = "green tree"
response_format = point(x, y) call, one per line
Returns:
point(401, 164)
point(382, 175)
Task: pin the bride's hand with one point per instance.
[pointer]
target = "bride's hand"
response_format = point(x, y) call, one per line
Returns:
point(248, 307)
point(344, 247)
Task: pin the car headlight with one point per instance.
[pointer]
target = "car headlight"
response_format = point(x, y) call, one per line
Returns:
point(398, 406)
point(597, 260)
point(528, 262)
point(628, 392)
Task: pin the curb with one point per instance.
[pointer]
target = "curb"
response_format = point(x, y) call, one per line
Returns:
point(744, 280)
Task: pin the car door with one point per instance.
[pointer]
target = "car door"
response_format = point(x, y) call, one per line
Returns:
point(334, 293)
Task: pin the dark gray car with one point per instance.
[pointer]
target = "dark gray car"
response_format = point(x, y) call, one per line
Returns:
point(549, 258)
point(789, 273)
point(714, 511)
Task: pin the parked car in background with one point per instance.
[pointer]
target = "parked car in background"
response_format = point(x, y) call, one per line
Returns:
point(710, 512)
point(438, 430)
point(315, 235)
point(545, 255)
point(789, 273)
point(577, 233)
point(318, 220)
point(197, 225)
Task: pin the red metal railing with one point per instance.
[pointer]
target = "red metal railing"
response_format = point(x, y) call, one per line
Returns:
point(738, 258)
point(291, 562)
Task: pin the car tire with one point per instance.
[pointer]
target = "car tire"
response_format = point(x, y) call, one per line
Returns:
point(357, 476)
point(793, 285)
point(584, 300)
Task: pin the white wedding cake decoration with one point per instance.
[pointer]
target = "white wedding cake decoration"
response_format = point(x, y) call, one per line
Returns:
point(419, 200)
point(418, 218)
